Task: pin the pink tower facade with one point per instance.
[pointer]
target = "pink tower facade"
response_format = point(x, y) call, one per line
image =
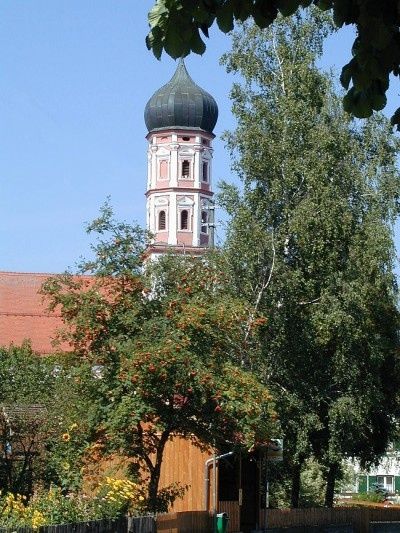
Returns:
point(180, 118)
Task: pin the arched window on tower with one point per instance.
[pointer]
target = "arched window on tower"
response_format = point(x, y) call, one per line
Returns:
point(204, 222)
point(184, 219)
point(162, 221)
point(205, 171)
point(185, 169)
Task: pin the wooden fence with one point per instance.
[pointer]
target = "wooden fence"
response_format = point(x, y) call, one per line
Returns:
point(358, 520)
point(143, 524)
point(358, 517)
point(185, 522)
point(94, 526)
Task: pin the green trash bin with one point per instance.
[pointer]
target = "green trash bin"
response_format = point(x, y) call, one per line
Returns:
point(222, 522)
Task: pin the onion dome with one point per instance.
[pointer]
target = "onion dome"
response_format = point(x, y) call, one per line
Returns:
point(181, 104)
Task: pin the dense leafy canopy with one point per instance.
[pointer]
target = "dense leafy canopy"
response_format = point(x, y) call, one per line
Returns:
point(40, 399)
point(176, 27)
point(310, 244)
point(166, 339)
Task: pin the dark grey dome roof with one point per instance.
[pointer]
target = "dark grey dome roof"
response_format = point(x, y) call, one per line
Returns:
point(181, 103)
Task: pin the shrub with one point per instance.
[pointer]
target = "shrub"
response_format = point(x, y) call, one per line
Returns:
point(370, 497)
point(113, 498)
point(116, 497)
point(15, 513)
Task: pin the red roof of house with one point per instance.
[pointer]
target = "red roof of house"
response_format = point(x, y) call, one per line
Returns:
point(23, 313)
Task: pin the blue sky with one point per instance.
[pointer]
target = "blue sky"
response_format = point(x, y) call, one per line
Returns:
point(75, 76)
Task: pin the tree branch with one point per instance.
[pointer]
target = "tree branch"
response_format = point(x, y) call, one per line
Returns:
point(263, 287)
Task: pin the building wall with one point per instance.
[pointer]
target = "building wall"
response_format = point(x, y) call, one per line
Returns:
point(184, 463)
point(23, 313)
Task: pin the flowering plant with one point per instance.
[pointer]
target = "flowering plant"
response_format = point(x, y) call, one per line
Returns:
point(113, 498)
point(118, 496)
point(15, 513)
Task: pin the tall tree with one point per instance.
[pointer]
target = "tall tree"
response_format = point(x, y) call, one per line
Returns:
point(310, 243)
point(175, 27)
point(165, 339)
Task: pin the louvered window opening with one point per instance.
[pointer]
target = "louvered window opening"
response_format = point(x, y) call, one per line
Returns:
point(162, 221)
point(205, 171)
point(204, 222)
point(184, 219)
point(185, 169)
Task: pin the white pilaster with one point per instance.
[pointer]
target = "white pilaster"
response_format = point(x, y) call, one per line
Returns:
point(174, 147)
point(150, 214)
point(153, 176)
point(197, 165)
point(173, 220)
point(196, 220)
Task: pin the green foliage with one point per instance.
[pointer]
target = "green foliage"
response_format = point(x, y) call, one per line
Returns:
point(313, 485)
point(369, 497)
point(47, 410)
point(112, 499)
point(25, 378)
point(26, 391)
point(168, 339)
point(175, 27)
point(320, 194)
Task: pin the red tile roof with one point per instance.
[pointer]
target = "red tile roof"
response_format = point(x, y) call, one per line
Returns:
point(23, 313)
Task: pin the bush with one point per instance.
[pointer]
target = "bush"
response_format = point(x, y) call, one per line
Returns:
point(116, 497)
point(375, 497)
point(113, 498)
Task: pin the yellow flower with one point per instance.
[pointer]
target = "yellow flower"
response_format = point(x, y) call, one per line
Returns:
point(66, 437)
point(38, 519)
point(73, 426)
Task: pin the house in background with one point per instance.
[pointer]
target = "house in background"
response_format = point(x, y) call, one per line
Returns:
point(23, 314)
point(386, 474)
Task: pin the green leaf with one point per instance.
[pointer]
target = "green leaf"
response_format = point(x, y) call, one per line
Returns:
point(264, 13)
point(343, 12)
point(358, 103)
point(197, 44)
point(287, 7)
point(305, 3)
point(345, 76)
point(324, 5)
point(204, 29)
point(173, 43)
point(154, 43)
point(395, 120)
point(225, 18)
point(361, 78)
point(242, 9)
point(382, 36)
point(378, 101)
point(375, 32)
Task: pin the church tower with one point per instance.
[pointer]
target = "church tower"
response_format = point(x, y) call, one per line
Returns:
point(180, 118)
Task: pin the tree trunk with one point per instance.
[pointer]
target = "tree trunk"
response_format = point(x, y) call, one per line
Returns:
point(330, 484)
point(153, 505)
point(153, 488)
point(295, 493)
